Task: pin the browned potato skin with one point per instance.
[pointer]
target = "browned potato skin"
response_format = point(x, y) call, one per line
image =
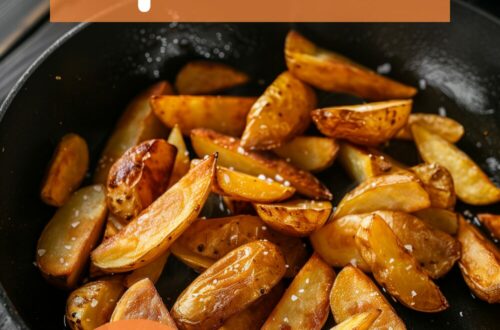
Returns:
point(91, 305)
point(139, 177)
point(237, 207)
point(152, 232)
point(353, 292)
point(280, 114)
point(304, 306)
point(332, 72)
point(438, 183)
point(142, 301)
point(365, 124)
point(360, 321)
point(480, 263)
point(445, 127)
point(224, 114)
point(444, 220)
point(151, 271)
point(395, 269)
point(138, 123)
point(295, 218)
point(492, 222)
point(181, 165)
point(206, 241)
point(231, 154)
point(229, 286)
point(66, 241)
point(66, 170)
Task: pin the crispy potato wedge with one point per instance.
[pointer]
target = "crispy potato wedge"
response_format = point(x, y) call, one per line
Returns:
point(207, 77)
point(138, 123)
point(361, 164)
point(441, 219)
point(151, 271)
point(152, 232)
point(353, 292)
point(229, 286)
point(231, 154)
point(360, 321)
point(472, 185)
point(397, 192)
point(309, 153)
point(366, 124)
point(438, 183)
point(139, 177)
point(295, 218)
point(480, 263)
point(492, 222)
point(206, 241)
point(332, 72)
point(66, 170)
point(113, 225)
point(280, 114)
point(447, 128)
point(224, 114)
point(304, 304)
point(142, 301)
point(91, 305)
point(66, 241)
point(181, 165)
point(395, 269)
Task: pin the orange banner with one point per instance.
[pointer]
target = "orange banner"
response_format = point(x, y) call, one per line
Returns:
point(250, 11)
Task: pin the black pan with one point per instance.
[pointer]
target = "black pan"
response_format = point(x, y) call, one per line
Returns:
point(102, 66)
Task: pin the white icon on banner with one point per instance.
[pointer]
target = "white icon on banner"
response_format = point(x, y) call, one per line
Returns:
point(144, 5)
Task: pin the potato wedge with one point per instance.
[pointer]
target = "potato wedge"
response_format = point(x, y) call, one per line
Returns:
point(91, 305)
point(353, 292)
point(181, 165)
point(309, 153)
point(472, 185)
point(492, 222)
point(280, 114)
point(480, 263)
point(224, 114)
point(206, 241)
point(113, 225)
point(332, 72)
point(361, 164)
point(360, 321)
point(66, 241)
point(447, 128)
point(397, 192)
point(207, 77)
point(441, 219)
point(152, 232)
point(151, 271)
point(139, 177)
point(304, 305)
point(66, 170)
point(229, 286)
point(438, 183)
point(142, 301)
point(231, 154)
point(138, 123)
point(295, 218)
point(395, 269)
point(366, 124)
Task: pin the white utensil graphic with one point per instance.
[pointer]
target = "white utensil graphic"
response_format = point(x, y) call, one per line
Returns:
point(144, 5)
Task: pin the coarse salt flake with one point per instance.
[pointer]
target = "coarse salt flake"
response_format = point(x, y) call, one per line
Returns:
point(422, 84)
point(97, 188)
point(294, 297)
point(413, 293)
point(41, 252)
point(67, 247)
point(75, 224)
point(226, 178)
point(384, 68)
point(93, 303)
point(409, 247)
point(286, 183)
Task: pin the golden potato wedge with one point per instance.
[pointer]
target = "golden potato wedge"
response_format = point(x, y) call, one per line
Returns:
point(139, 177)
point(181, 165)
point(152, 232)
point(361, 164)
point(66, 170)
point(206, 241)
point(332, 72)
point(280, 114)
point(207, 77)
point(113, 225)
point(309, 153)
point(142, 301)
point(441, 219)
point(295, 218)
point(66, 241)
point(151, 271)
point(304, 305)
point(492, 222)
point(91, 305)
point(395, 269)
point(237, 207)
point(231, 154)
point(445, 127)
point(360, 321)
point(480, 263)
point(400, 191)
point(438, 183)
point(224, 114)
point(472, 185)
point(229, 286)
point(353, 292)
point(366, 124)
point(138, 123)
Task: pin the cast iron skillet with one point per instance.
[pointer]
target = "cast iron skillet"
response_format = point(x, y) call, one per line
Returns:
point(102, 66)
